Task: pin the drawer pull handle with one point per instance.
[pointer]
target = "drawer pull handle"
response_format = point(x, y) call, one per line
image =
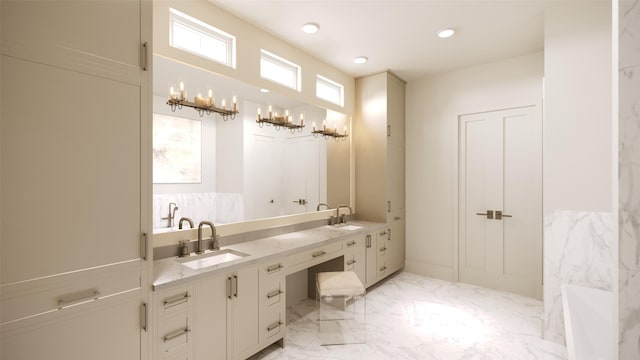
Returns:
point(66, 300)
point(274, 326)
point(383, 268)
point(397, 218)
point(383, 249)
point(275, 267)
point(351, 243)
point(177, 334)
point(176, 300)
point(318, 253)
point(274, 293)
point(383, 233)
point(351, 262)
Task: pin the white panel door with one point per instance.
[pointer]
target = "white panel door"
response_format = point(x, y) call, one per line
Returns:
point(501, 171)
point(263, 195)
point(302, 174)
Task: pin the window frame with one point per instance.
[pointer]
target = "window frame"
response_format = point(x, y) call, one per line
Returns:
point(330, 84)
point(204, 30)
point(293, 68)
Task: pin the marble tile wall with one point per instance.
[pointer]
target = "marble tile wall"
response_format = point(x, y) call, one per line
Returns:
point(221, 208)
point(629, 178)
point(578, 249)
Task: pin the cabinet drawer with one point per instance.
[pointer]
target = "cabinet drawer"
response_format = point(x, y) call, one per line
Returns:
point(313, 256)
point(273, 292)
point(174, 300)
point(273, 326)
point(382, 270)
point(273, 269)
point(59, 292)
point(174, 333)
point(383, 248)
point(180, 356)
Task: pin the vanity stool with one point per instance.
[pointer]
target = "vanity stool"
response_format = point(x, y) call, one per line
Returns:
point(341, 308)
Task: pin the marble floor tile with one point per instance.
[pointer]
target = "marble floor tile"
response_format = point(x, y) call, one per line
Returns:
point(415, 317)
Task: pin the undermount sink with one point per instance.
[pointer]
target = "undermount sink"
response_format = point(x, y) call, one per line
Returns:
point(213, 258)
point(349, 227)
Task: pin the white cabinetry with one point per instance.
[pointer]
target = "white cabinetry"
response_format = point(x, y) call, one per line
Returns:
point(211, 322)
point(227, 323)
point(379, 136)
point(272, 302)
point(371, 251)
point(355, 256)
point(174, 323)
point(75, 179)
point(243, 304)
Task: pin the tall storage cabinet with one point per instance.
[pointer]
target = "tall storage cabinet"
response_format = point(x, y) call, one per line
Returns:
point(75, 179)
point(380, 169)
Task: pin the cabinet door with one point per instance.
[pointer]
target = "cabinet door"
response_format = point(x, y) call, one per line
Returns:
point(210, 322)
point(395, 109)
point(395, 178)
point(396, 241)
point(72, 126)
point(371, 249)
point(246, 320)
point(359, 258)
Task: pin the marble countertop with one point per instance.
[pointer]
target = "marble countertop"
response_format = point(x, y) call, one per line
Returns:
point(169, 272)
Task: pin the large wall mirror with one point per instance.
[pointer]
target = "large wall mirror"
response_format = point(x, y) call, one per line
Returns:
point(206, 168)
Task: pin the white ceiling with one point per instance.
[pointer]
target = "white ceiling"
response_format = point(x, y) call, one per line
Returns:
point(401, 35)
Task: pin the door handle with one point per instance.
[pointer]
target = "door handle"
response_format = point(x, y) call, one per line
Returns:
point(500, 215)
point(488, 214)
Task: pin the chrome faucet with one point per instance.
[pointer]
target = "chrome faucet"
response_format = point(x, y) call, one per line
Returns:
point(173, 207)
point(341, 218)
point(216, 245)
point(322, 204)
point(187, 220)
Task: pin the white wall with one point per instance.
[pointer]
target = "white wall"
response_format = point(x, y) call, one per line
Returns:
point(577, 107)
point(578, 166)
point(433, 106)
point(250, 40)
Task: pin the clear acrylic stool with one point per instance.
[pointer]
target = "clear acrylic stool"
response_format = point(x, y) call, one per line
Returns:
point(341, 308)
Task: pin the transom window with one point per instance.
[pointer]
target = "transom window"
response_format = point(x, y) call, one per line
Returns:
point(279, 70)
point(197, 37)
point(329, 90)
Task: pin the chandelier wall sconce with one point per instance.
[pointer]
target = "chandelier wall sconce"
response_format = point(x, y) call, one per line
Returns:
point(204, 105)
point(328, 133)
point(278, 121)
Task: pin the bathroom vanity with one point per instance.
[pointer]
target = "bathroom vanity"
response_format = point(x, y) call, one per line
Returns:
point(237, 307)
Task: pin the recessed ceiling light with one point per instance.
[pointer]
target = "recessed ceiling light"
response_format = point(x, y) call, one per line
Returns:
point(445, 33)
point(310, 28)
point(360, 60)
point(264, 91)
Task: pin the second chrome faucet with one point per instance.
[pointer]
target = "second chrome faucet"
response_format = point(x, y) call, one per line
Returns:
point(214, 237)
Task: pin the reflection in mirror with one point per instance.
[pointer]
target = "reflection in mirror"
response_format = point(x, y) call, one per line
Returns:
point(235, 170)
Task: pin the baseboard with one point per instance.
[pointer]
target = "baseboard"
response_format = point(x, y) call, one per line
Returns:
point(430, 270)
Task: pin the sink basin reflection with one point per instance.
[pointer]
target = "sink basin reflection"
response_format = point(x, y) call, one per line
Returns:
point(213, 258)
point(349, 227)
